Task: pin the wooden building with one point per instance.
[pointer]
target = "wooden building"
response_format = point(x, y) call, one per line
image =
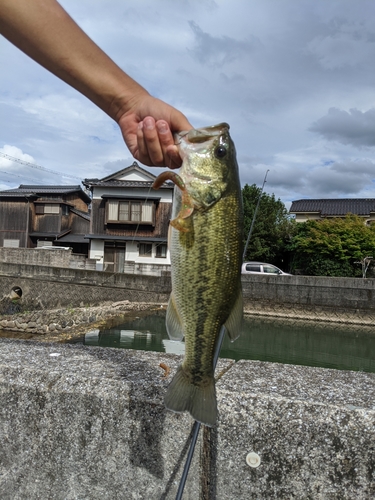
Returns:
point(327, 208)
point(129, 220)
point(33, 215)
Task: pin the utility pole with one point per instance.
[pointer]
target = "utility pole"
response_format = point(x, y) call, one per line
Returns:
point(255, 213)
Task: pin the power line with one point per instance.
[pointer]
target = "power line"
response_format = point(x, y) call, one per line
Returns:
point(16, 175)
point(33, 165)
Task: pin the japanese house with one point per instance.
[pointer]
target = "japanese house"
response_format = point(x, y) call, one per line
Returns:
point(327, 208)
point(33, 215)
point(129, 221)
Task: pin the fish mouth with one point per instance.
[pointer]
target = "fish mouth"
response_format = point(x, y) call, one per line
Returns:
point(197, 135)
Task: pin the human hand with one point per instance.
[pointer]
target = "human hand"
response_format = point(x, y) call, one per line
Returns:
point(148, 128)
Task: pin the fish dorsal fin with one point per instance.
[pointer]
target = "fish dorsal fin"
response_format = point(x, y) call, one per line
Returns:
point(173, 321)
point(233, 324)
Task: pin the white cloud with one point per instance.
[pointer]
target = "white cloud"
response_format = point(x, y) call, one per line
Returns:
point(293, 79)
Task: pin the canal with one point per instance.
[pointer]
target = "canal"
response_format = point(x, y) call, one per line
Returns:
point(322, 344)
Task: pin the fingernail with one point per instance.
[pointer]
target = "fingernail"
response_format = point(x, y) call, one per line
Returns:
point(148, 123)
point(162, 127)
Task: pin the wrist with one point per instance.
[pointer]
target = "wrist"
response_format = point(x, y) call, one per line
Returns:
point(126, 100)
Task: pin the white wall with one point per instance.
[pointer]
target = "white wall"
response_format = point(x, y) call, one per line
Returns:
point(97, 252)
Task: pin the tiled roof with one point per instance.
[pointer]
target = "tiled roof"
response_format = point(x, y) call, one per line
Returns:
point(73, 238)
point(131, 168)
point(331, 207)
point(46, 234)
point(114, 183)
point(84, 215)
point(38, 190)
point(29, 188)
point(109, 237)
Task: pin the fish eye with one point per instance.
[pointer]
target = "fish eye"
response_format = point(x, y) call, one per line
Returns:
point(220, 151)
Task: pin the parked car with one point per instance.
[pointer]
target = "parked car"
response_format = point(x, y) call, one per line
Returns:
point(261, 268)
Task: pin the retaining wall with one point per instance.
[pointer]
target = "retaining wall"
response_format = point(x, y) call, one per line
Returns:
point(46, 287)
point(50, 287)
point(311, 292)
point(89, 423)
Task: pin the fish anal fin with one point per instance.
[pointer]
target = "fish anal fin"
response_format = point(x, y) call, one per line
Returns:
point(233, 324)
point(173, 321)
point(199, 401)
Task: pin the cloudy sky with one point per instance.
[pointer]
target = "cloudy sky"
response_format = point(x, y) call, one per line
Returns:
point(295, 79)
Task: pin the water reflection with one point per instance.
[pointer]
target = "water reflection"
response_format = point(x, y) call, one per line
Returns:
point(293, 342)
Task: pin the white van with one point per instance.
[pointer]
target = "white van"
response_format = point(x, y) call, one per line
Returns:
point(261, 268)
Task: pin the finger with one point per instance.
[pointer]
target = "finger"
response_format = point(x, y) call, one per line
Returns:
point(142, 152)
point(174, 158)
point(170, 151)
point(152, 142)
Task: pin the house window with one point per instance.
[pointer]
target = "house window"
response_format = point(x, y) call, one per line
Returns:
point(130, 211)
point(47, 208)
point(51, 209)
point(11, 243)
point(145, 249)
point(161, 251)
point(64, 210)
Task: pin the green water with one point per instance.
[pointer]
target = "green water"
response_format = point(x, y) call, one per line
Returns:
point(326, 345)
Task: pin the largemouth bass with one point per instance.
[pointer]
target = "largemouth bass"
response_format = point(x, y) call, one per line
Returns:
point(205, 244)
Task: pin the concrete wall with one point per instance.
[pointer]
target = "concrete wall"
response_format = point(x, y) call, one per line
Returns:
point(51, 287)
point(35, 257)
point(89, 423)
point(65, 258)
point(310, 293)
point(48, 258)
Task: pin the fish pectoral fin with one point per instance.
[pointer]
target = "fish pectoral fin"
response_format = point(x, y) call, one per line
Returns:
point(182, 224)
point(233, 324)
point(199, 401)
point(173, 321)
point(183, 221)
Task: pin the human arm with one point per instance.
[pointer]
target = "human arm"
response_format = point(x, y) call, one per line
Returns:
point(45, 32)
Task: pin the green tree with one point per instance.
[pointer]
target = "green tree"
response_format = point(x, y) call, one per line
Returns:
point(272, 227)
point(332, 247)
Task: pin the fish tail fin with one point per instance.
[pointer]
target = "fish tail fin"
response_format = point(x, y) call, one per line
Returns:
point(200, 402)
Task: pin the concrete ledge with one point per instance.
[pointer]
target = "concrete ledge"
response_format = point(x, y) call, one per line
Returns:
point(87, 422)
point(313, 429)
